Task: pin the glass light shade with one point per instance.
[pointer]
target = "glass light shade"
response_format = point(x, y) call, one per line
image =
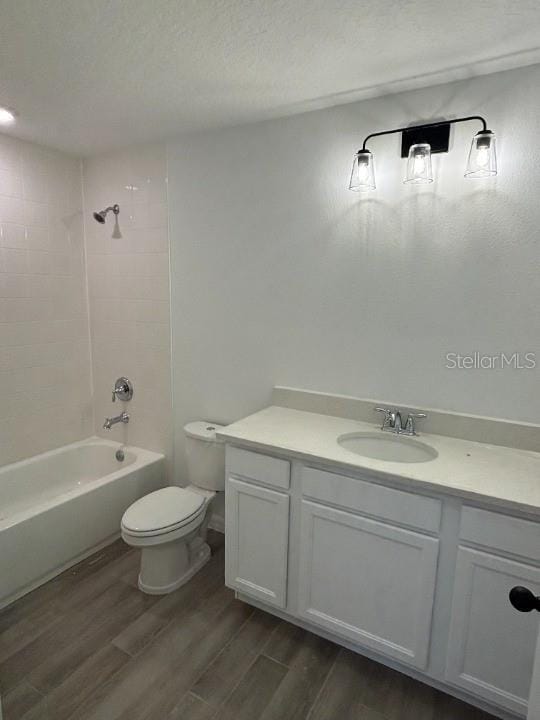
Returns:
point(363, 172)
point(482, 161)
point(419, 165)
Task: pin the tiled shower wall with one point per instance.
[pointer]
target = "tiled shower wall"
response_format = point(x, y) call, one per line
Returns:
point(70, 327)
point(45, 383)
point(128, 280)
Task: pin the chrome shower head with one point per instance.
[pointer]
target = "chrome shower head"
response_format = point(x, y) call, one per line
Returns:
point(102, 214)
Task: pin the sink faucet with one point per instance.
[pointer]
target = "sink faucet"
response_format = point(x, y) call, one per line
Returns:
point(122, 418)
point(392, 421)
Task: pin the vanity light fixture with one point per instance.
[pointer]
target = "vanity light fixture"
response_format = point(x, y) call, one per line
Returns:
point(418, 142)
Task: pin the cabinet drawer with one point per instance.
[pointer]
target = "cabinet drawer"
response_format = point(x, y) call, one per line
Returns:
point(501, 532)
point(259, 468)
point(377, 500)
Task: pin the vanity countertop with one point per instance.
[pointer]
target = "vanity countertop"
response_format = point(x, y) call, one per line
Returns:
point(502, 476)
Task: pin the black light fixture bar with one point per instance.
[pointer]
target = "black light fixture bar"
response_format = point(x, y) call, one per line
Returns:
point(437, 134)
point(418, 142)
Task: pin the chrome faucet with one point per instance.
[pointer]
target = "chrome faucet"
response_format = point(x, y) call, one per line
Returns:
point(392, 421)
point(122, 418)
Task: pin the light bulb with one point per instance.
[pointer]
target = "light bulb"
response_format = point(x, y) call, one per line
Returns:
point(363, 172)
point(419, 165)
point(482, 157)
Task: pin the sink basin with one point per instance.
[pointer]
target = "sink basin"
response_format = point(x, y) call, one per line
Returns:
point(390, 448)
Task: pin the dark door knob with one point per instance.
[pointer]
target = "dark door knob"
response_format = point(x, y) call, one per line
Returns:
point(523, 599)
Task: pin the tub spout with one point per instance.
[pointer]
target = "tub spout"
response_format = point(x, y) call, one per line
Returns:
point(109, 422)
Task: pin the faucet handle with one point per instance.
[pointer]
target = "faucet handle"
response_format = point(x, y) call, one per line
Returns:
point(123, 389)
point(410, 424)
point(387, 415)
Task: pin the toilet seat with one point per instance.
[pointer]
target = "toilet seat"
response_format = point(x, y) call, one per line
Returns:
point(163, 511)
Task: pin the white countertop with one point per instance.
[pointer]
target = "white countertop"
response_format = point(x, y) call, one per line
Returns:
point(499, 475)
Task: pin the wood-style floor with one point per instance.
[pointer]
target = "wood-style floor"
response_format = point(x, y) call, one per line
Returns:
point(89, 646)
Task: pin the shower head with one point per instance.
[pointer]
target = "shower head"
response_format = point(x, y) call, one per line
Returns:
point(102, 214)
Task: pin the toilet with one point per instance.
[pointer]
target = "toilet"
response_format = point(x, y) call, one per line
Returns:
point(169, 525)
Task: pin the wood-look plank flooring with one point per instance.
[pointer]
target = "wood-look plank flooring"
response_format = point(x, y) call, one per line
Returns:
point(89, 646)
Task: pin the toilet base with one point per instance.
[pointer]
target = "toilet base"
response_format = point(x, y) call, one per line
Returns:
point(200, 556)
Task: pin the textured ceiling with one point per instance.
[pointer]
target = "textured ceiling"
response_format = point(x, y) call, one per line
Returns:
point(88, 75)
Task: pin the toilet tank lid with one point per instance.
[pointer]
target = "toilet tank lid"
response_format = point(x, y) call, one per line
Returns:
point(202, 430)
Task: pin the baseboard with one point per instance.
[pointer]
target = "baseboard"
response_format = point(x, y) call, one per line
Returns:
point(217, 523)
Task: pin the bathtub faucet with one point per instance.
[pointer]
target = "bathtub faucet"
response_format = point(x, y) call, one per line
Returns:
point(109, 422)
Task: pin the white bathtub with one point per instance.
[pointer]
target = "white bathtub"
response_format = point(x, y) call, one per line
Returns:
point(59, 507)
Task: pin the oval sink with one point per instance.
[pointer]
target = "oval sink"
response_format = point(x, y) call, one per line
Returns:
point(390, 448)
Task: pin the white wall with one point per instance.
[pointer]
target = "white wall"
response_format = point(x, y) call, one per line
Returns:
point(45, 389)
point(128, 280)
point(280, 275)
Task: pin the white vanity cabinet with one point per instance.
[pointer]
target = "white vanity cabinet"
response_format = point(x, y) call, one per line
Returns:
point(257, 526)
point(491, 646)
point(419, 580)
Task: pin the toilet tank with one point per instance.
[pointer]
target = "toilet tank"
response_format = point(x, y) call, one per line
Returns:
point(205, 455)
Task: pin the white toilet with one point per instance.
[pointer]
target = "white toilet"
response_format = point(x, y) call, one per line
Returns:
point(169, 525)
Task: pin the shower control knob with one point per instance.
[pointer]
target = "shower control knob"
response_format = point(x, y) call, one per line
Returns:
point(123, 390)
point(523, 599)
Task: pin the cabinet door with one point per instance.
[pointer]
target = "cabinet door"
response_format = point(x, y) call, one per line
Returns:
point(491, 646)
point(370, 582)
point(534, 696)
point(256, 541)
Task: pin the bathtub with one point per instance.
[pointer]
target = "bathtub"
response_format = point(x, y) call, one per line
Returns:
point(59, 507)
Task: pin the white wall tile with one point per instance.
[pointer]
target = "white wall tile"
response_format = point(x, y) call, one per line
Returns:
point(46, 399)
point(10, 183)
point(12, 236)
point(45, 392)
point(128, 282)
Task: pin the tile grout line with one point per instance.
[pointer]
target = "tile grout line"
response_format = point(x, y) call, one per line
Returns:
point(278, 662)
point(267, 643)
point(27, 681)
point(215, 657)
point(219, 707)
point(194, 694)
point(326, 680)
point(259, 655)
point(158, 635)
point(88, 702)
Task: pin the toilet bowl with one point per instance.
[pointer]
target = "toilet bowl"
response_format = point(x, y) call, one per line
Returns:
point(169, 525)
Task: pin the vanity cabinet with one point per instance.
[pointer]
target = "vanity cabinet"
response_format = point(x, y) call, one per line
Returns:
point(257, 526)
point(368, 581)
point(417, 580)
point(491, 647)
